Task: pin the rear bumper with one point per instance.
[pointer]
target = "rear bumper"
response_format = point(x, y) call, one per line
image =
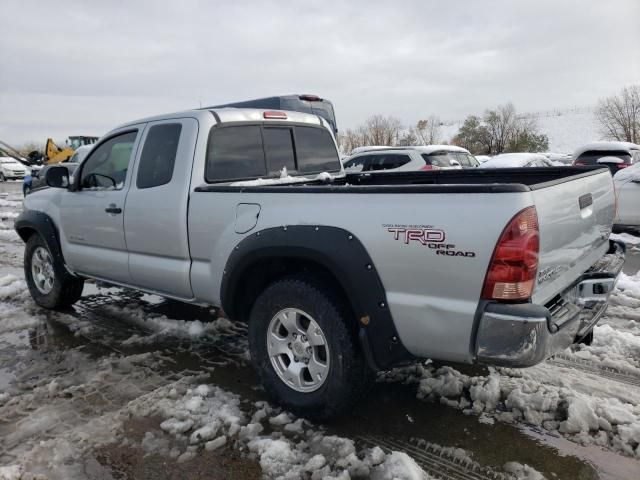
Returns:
point(522, 335)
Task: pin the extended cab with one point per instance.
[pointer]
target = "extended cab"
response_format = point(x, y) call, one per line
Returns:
point(336, 274)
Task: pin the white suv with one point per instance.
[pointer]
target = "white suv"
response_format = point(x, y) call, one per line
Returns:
point(11, 169)
point(429, 157)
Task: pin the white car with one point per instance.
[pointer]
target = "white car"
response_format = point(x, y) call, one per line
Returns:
point(591, 154)
point(428, 157)
point(627, 183)
point(11, 169)
point(517, 160)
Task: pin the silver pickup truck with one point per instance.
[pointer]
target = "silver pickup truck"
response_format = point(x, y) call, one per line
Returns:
point(338, 275)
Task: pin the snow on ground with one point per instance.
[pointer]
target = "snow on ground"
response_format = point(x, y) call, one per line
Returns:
point(626, 238)
point(580, 405)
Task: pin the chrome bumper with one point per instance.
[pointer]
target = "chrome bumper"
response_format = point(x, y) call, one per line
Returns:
point(522, 335)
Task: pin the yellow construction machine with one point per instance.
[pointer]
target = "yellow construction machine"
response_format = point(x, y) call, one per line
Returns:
point(54, 154)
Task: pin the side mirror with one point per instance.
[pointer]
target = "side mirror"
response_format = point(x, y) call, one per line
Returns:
point(454, 163)
point(57, 177)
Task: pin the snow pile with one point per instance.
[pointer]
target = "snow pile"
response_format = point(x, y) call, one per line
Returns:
point(9, 203)
point(9, 236)
point(208, 418)
point(283, 179)
point(543, 396)
point(11, 287)
point(625, 238)
point(522, 472)
point(8, 214)
point(161, 325)
point(614, 348)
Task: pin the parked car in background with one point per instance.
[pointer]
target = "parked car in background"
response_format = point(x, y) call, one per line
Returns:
point(517, 160)
point(428, 157)
point(482, 158)
point(627, 185)
point(11, 169)
point(559, 158)
point(589, 154)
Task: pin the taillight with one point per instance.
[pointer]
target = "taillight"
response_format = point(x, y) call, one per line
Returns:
point(512, 272)
point(430, 167)
point(275, 114)
point(622, 165)
point(579, 164)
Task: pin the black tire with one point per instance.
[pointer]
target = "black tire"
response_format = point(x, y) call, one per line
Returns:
point(348, 375)
point(66, 289)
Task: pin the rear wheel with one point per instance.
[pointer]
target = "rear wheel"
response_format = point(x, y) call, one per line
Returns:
point(50, 284)
point(307, 357)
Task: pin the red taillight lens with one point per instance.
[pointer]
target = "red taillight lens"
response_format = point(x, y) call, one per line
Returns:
point(579, 164)
point(430, 167)
point(512, 272)
point(275, 114)
point(622, 165)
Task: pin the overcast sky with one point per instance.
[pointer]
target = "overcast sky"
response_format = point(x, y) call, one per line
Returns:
point(75, 67)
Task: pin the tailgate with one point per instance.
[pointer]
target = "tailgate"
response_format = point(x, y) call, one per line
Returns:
point(575, 219)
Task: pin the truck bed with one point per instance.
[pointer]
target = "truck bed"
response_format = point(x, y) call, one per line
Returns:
point(479, 180)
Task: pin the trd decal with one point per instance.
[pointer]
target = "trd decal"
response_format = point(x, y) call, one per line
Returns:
point(428, 236)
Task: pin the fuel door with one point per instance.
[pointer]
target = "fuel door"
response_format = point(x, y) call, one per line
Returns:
point(246, 216)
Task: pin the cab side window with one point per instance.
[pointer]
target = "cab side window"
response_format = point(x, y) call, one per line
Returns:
point(158, 155)
point(106, 167)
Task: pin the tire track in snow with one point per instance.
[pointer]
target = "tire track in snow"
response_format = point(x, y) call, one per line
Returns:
point(589, 366)
point(434, 459)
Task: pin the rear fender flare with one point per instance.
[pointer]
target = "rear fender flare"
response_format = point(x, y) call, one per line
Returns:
point(346, 258)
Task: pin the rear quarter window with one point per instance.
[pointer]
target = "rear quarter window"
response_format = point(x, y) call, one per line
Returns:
point(316, 150)
point(235, 153)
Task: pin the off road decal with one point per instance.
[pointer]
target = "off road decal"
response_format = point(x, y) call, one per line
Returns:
point(428, 236)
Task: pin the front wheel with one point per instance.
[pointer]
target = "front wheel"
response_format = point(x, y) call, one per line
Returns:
point(49, 283)
point(304, 348)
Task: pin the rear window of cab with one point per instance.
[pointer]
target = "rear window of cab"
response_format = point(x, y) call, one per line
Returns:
point(249, 151)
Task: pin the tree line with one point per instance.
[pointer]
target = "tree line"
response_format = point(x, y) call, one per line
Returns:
point(498, 130)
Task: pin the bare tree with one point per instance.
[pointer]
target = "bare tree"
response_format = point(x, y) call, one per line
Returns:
point(501, 125)
point(427, 132)
point(501, 130)
point(382, 130)
point(619, 115)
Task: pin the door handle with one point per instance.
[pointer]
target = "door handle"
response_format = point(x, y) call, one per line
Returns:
point(112, 209)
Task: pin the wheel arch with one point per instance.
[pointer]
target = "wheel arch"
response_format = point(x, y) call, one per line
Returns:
point(32, 222)
point(332, 254)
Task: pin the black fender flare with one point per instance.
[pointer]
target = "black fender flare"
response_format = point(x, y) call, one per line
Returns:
point(42, 224)
point(346, 258)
